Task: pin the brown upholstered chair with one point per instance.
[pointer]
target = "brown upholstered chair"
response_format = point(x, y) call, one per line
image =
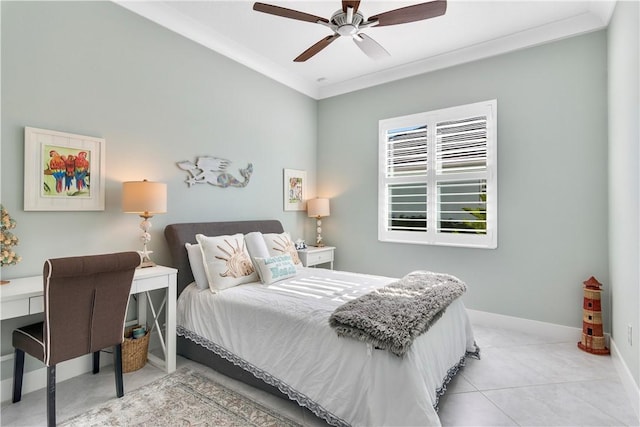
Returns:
point(85, 304)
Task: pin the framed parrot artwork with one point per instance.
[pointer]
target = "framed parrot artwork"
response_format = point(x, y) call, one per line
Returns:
point(63, 171)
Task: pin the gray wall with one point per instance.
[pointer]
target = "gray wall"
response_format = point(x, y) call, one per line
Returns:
point(624, 179)
point(97, 69)
point(552, 177)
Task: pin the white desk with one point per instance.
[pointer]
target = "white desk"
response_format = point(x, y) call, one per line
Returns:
point(25, 296)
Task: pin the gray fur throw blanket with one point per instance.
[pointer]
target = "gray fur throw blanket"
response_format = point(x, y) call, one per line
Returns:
point(391, 317)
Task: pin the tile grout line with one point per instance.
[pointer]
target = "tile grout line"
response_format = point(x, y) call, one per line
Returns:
point(500, 409)
point(535, 385)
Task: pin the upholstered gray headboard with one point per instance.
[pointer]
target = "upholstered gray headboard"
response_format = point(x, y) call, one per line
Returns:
point(179, 234)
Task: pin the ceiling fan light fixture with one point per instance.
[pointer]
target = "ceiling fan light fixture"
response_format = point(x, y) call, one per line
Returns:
point(347, 30)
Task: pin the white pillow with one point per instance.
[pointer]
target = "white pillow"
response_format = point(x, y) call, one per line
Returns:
point(197, 265)
point(275, 268)
point(280, 244)
point(256, 244)
point(226, 261)
point(257, 248)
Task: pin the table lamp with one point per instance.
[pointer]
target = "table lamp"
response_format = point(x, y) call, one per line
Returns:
point(146, 199)
point(318, 208)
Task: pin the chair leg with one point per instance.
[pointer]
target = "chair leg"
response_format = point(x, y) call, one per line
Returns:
point(117, 367)
point(51, 396)
point(96, 362)
point(18, 371)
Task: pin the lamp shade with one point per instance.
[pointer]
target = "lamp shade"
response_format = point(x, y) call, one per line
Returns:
point(144, 197)
point(318, 207)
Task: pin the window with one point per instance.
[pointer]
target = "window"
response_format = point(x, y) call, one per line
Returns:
point(438, 177)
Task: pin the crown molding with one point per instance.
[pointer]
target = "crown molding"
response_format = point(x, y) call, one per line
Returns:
point(597, 17)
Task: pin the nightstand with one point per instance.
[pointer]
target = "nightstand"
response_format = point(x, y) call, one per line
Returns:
point(314, 255)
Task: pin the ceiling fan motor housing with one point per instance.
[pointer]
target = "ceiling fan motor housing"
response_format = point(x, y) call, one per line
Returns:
point(346, 28)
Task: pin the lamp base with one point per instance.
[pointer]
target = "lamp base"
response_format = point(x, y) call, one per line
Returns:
point(146, 261)
point(319, 242)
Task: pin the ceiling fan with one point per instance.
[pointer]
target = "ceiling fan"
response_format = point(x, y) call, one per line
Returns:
point(348, 21)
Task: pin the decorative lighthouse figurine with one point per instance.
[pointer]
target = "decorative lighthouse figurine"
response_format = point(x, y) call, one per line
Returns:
point(592, 337)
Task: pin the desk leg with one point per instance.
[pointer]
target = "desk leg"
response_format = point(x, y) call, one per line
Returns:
point(170, 356)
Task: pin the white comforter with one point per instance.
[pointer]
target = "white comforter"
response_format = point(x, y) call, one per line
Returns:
point(282, 329)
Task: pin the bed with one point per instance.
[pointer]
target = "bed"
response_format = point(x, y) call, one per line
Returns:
point(277, 337)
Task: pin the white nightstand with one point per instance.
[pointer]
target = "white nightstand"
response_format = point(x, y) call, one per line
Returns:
point(314, 255)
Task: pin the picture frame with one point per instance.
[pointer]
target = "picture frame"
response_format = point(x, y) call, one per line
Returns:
point(63, 171)
point(295, 190)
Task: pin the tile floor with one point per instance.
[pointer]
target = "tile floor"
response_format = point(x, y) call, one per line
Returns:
point(521, 380)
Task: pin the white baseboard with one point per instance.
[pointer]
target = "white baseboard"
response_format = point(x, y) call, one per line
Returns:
point(555, 332)
point(628, 382)
point(37, 379)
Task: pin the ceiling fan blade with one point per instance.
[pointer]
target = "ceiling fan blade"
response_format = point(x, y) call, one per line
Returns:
point(316, 48)
point(287, 13)
point(370, 47)
point(413, 13)
point(348, 4)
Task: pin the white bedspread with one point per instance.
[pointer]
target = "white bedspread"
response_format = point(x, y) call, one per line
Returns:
point(283, 330)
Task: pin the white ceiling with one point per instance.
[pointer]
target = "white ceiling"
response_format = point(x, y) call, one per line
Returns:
point(470, 30)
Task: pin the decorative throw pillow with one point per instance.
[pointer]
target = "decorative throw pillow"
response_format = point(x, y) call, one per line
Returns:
point(257, 248)
point(197, 265)
point(275, 268)
point(226, 261)
point(280, 244)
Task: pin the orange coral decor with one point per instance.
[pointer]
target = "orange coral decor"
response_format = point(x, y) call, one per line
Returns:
point(592, 337)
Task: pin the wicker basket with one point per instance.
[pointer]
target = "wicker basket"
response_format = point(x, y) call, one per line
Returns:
point(134, 351)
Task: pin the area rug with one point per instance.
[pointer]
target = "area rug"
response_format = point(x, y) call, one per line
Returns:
point(184, 398)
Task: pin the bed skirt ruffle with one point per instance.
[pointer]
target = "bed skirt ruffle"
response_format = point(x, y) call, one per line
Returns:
point(451, 373)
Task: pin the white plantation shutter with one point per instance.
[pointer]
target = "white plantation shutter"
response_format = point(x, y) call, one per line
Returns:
point(408, 202)
point(437, 179)
point(461, 205)
point(461, 145)
point(406, 166)
point(407, 151)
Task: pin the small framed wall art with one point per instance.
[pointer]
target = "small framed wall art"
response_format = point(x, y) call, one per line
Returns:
point(63, 171)
point(295, 190)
